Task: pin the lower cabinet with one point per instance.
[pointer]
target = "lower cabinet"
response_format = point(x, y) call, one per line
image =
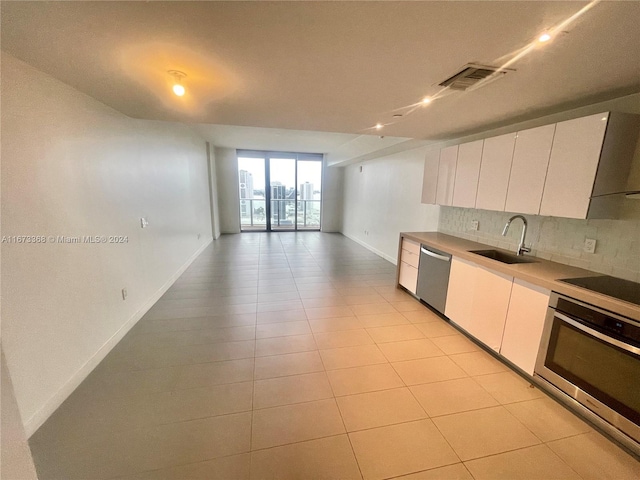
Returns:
point(525, 321)
point(490, 306)
point(460, 292)
point(504, 313)
point(408, 277)
point(478, 300)
point(409, 261)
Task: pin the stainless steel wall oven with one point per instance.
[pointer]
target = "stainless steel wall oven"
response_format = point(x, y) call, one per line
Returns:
point(594, 356)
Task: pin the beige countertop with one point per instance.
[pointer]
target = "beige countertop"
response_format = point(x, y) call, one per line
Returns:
point(543, 273)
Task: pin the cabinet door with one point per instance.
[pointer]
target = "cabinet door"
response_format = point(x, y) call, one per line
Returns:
point(494, 172)
point(467, 173)
point(408, 277)
point(525, 321)
point(430, 176)
point(460, 292)
point(410, 252)
point(446, 175)
point(529, 169)
point(572, 167)
point(490, 306)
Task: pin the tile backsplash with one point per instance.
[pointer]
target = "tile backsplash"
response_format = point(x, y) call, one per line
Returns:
point(558, 239)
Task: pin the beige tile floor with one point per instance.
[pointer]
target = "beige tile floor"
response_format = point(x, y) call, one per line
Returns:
point(293, 356)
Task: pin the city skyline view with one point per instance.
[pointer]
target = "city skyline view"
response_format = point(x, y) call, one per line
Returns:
point(295, 202)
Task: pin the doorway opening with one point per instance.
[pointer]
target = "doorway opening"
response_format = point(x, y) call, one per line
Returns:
point(279, 191)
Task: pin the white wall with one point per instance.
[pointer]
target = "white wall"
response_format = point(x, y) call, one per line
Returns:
point(16, 461)
point(71, 167)
point(228, 193)
point(384, 200)
point(213, 191)
point(332, 198)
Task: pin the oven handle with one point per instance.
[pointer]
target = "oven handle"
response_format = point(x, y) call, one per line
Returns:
point(595, 333)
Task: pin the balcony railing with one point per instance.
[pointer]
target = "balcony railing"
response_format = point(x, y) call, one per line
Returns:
point(253, 214)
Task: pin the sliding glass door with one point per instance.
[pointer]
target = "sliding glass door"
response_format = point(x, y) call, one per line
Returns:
point(253, 205)
point(309, 181)
point(279, 191)
point(282, 188)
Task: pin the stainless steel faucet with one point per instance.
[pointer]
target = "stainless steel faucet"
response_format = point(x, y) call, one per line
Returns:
point(521, 248)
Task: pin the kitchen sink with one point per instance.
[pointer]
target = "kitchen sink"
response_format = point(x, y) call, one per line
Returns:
point(503, 256)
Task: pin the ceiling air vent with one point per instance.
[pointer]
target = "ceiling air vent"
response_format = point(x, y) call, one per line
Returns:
point(472, 74)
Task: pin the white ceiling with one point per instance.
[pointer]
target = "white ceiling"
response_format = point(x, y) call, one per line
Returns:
point(336, 67)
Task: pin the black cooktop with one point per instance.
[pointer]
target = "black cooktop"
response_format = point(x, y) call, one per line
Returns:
point(612, 286)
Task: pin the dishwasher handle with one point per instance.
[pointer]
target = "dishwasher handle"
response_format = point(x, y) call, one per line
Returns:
point(446, 258)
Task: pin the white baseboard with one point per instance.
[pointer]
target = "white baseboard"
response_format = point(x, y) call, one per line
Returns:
point(38, 418)
point(393, 260)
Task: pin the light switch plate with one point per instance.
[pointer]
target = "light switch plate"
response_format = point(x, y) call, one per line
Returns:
point(590, 245)
point(143, 223)
point(474, 225)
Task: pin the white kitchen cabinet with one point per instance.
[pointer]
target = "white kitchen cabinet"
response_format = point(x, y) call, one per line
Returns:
point(467, 174)
point(409, 261)
point(490, 305)
point(460, 292)
point(446, 175)
point(430, 176)
point(529, 169)
point(478, 301)
point(525, 321)
point(573, 165)
point(495, 169)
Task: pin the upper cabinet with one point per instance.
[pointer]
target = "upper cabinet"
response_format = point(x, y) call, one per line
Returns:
point(494, 172)
point(575, 169)
point(590, 157)
point(572, 168)
point(446, 175)
point(430, 177)
point(467, 173)
point(529, 169)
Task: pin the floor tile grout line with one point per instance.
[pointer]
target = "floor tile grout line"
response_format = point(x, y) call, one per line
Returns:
point(180, 465)
point(344, 426)
point(406, 475)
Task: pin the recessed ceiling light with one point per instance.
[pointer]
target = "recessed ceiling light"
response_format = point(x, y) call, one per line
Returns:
point(178, 87)
point(427, 100)
point(378, 126)
point(545, 37)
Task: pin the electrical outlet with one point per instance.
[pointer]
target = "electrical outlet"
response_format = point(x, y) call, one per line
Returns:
point(474, 225)
point(124, 293)
point(589, 245)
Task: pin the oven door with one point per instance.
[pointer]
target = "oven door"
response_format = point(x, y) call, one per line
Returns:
point(600, 372)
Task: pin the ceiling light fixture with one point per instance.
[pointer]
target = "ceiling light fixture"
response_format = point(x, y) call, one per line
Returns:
point(427, 100)
point(178, 87)
point(378, 126)
point(545, 37)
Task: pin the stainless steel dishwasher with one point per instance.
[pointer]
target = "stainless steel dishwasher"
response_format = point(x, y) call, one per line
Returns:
point(433, 277)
